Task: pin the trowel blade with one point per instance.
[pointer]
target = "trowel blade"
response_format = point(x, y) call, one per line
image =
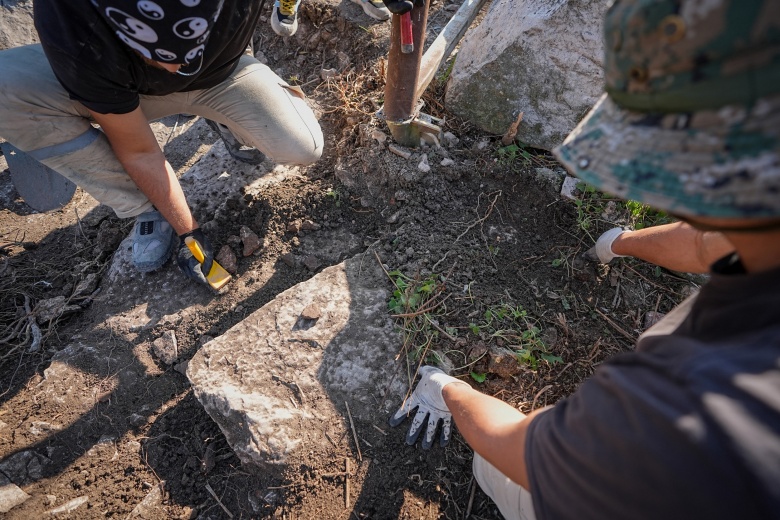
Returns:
point(42, 188)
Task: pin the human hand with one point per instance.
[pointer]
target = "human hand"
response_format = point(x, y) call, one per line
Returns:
point(602, 251)
point(188, 263)
point(399, 6)
point(427, 398)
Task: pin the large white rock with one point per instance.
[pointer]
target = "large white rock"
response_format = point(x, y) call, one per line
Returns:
point(277, 383)
point(16, 24)
point(540, 57)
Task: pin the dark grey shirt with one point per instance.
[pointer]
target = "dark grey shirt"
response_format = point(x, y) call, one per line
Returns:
point(686, 427)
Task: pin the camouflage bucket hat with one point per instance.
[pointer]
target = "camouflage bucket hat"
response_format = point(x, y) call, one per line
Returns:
point(690, 122)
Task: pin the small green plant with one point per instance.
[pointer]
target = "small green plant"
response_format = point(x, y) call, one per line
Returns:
point(518, 330)
point(642, 216)
point(445, 75)
point(409, 293)
point(415, 303)
point(589, 206)
point(335, 195)
point(478, 377)
point(508, 155)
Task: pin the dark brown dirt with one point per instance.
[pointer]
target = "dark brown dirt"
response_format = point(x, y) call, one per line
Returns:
point(484, 229)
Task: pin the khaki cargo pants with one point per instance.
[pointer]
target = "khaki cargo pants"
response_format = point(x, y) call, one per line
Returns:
point(38, 117)
point(514, 502)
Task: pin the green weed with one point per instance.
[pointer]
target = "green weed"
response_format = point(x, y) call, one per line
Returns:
point(445, 74)
point(478, 377)
point(518, 330)
point(514, 153)
point(591, 204)
point(642, 215)
point(335, 195)
point(415, 303)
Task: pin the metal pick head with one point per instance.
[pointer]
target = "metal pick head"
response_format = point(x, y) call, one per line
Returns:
point(42, 188)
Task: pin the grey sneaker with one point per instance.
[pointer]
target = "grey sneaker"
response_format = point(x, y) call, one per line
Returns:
point(153, 241)
point(374, 8)
point(284, 18)
point(237, 150)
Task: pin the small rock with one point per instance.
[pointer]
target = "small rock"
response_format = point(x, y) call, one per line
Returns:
point(450, 139)
point(311, 312)
point(50, 500)
point(250, 240)
point(504, 364)
point(289, 259)
point(23, 468)
point(294, 226)
point(239, 309)
point(68, 507)
point(392, 219)
point(166, 348)
point(423, 166)
point(308, 225)
point(447, 162)
point(53, 308)
point(86, 286)
point(553, 178)
point(11, 495)
point(227, 259)
point(569, 187)
point(311, 262)
point(401, 152)
point(151, 505)
point(378, 135)
point(481, 145)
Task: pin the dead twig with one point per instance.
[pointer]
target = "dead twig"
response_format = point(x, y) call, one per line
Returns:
point(471, 498)
point(538, 394)
point(510, 134)
point(615, 325)
point(211, 492)
point(354, 433)
point(484, 218)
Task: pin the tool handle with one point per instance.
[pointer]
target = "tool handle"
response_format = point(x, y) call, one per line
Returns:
point(194, 248)
point(407, 36)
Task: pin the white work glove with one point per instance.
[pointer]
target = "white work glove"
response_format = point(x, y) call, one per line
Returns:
point(427, 398)
point(602, 251)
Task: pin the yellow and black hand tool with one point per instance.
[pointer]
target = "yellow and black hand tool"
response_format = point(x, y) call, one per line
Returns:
point(217, 276)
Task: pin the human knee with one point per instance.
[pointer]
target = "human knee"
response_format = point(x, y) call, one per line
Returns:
point(301, 150)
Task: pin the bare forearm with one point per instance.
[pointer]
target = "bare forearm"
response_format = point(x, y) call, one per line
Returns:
point(677, 246)
point(492, 428)
point(136, 148)
point(157, 180)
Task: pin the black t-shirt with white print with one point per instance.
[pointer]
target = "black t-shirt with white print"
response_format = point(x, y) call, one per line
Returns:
point(102, 72)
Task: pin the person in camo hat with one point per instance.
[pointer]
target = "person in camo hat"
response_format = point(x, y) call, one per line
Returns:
point(688, 424)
